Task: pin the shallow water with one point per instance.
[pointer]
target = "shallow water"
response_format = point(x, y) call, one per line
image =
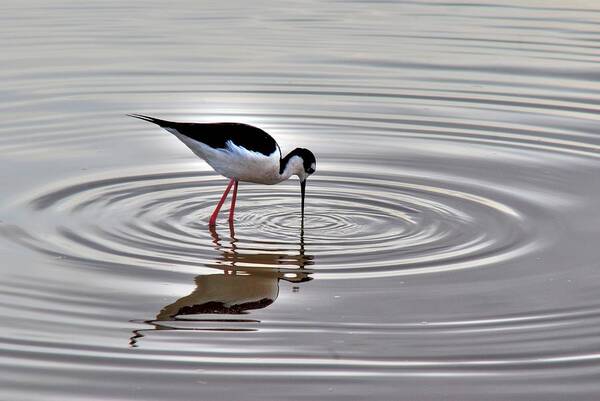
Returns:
point(449, 250)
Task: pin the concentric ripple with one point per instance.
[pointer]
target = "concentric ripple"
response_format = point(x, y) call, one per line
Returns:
point(356, 225)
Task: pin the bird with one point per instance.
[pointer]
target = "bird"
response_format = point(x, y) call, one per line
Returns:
point(240, 152)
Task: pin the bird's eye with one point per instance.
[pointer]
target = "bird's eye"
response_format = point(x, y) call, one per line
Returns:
point(310, 170)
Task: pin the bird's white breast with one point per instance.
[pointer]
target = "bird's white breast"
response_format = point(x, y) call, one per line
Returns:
point(236, 161)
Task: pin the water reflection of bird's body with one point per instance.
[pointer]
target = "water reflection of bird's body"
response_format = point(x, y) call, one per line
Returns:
point(240, 152)
point(232, 293)
point(250, 280)
point(240, 288)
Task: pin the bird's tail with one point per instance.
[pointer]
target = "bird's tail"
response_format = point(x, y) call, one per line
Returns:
point(158, 121)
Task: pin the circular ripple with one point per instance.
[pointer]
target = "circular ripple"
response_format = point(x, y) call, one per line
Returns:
point(356, 225)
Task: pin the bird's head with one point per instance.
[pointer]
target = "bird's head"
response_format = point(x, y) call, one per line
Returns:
point(300, 162)
point(308, 165)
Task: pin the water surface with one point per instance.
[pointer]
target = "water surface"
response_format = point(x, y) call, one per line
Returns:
point(449, 250)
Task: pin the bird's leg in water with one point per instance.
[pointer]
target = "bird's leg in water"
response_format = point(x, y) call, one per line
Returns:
point(233, 199)
point(213, 218)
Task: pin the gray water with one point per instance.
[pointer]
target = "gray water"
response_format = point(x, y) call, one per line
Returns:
point(450, 246)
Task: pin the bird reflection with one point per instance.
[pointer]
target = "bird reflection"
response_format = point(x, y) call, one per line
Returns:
point(249, 280)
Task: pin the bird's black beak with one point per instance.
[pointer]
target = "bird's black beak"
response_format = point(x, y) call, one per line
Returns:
point(303, 192)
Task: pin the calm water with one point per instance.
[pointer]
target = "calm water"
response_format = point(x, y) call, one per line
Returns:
point(451, 244)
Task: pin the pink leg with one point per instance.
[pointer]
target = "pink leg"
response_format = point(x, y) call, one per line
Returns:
point(233, 199)
point(213, 218)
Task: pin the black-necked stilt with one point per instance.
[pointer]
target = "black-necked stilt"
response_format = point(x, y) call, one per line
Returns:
point(240, 152)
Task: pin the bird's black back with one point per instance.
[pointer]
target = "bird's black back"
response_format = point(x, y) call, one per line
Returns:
point(216, 135)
